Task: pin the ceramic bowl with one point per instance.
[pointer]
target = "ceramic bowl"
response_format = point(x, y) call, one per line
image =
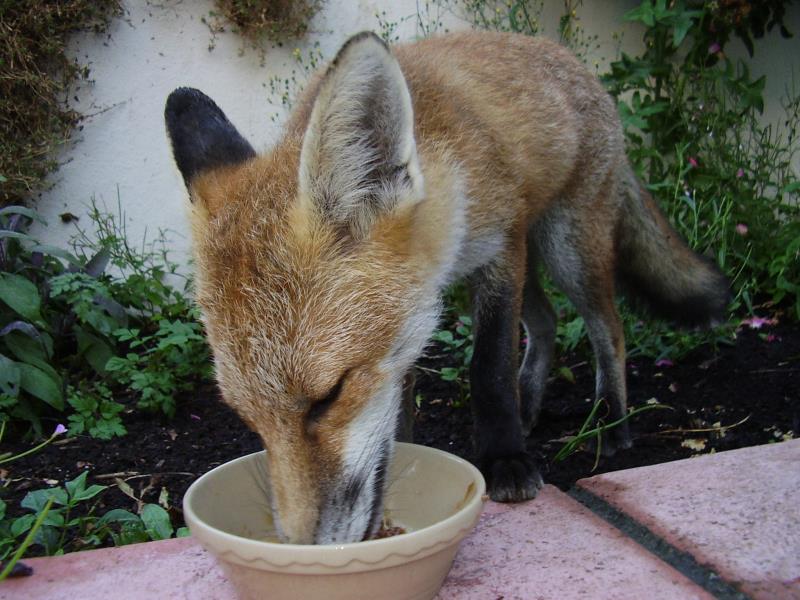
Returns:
point(435, 496)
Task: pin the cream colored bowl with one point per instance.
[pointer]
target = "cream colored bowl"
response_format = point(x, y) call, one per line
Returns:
point(436, 496)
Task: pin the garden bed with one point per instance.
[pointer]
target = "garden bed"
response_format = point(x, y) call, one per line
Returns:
point(754, 383)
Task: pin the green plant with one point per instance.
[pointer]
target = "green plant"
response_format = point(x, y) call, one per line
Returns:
point(518, 16)
point(692, 120)
point(457, 340)
point(96, 412)
point(35, 73)
point(283, 91)
point(594, 427)
point(62, 519)
point(82, 326)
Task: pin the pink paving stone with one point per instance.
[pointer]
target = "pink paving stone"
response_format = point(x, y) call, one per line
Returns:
point(553, 547)
point(549, 548)
point(737, 512)
point(170, 569)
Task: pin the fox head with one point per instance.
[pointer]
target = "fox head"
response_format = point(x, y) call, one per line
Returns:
point(317, 277)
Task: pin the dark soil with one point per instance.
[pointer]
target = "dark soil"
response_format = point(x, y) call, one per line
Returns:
point(741, 395)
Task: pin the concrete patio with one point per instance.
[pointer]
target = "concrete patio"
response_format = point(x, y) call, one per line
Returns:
point(723, 525)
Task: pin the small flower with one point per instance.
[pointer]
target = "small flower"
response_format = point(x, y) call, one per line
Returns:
point(772, 338)
point(714, 48)
point(740, 173)
point(758, 322)
point(693, 161)
point(60, 430)
point(194, 417)
point(741, 229)
point(664, 362)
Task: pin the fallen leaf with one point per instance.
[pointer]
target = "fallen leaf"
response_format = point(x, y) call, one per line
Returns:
point(696, 444)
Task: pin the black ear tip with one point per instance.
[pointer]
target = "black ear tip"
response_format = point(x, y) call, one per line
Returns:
point(184, 98)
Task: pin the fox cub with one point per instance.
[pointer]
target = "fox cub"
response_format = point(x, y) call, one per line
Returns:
point(321, 263)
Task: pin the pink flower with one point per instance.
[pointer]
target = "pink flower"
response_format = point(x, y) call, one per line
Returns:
point(60, 429)
point(758, 322)
point(714, 48)
point(772, 338)
point(693, 161)
point(740, 173)
point(741, 229)
point(664, 362)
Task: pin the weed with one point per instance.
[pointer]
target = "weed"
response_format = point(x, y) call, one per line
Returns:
point(35, 73)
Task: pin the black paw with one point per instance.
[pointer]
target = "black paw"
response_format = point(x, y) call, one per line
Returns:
point(512, 478)
point(618, 438)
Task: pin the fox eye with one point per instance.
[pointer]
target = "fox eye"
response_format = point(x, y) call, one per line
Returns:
point(321, 406)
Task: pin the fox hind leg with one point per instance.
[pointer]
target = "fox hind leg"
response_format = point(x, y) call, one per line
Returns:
point(583, 268)
point(539, 321)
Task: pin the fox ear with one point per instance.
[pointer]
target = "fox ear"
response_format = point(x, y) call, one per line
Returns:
point(202, 136)
point(359, 157)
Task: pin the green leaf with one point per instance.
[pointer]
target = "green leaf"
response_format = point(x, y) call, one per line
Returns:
point(37, 499)
point(41, 385)
point(96, 351)
point(682, 24)
point(21, 210)
point(57, 252)
point(9, 376)
point(21, 295)
point(22, 524)
point(156, 522)
point(183, 532)
point(77, 485)
point(643, 13)
point(31, 351)
point(118, 515)
point(449, 374)
point(89, 492)
point(445, 336)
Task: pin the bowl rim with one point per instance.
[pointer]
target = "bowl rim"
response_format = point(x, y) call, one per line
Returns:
point(323, 557)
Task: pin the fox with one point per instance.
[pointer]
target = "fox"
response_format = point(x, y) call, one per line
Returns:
point(321, 263)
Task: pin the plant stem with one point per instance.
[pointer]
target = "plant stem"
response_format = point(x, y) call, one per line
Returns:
point(27, 541)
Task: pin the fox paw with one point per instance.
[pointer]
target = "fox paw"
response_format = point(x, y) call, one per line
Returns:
point(610, 442)
point(512, 478)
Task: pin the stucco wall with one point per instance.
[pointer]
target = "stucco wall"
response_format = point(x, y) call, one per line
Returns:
point(122, 152)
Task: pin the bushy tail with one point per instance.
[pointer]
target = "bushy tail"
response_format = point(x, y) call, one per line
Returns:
point(657, 268)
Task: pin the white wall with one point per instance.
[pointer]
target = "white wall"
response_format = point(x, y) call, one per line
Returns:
point(122, 148)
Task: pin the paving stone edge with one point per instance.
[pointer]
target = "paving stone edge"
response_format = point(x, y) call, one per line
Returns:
point(678, 559)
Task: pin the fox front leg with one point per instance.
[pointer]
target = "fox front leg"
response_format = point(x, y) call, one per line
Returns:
point(511, 473)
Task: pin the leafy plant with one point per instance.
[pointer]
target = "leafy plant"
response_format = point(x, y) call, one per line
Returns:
point(62, 519)
point(458, 340)
point(694, 131)
point(96, 412)
point(78, 327)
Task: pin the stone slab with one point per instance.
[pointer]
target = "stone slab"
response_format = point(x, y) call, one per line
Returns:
point(554, 547)
point(736, 512)
point(549, 548)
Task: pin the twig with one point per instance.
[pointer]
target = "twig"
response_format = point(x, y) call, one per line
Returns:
point(128, 475)
point(721, 428)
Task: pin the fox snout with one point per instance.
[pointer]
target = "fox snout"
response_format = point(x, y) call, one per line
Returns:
point(317, 502)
